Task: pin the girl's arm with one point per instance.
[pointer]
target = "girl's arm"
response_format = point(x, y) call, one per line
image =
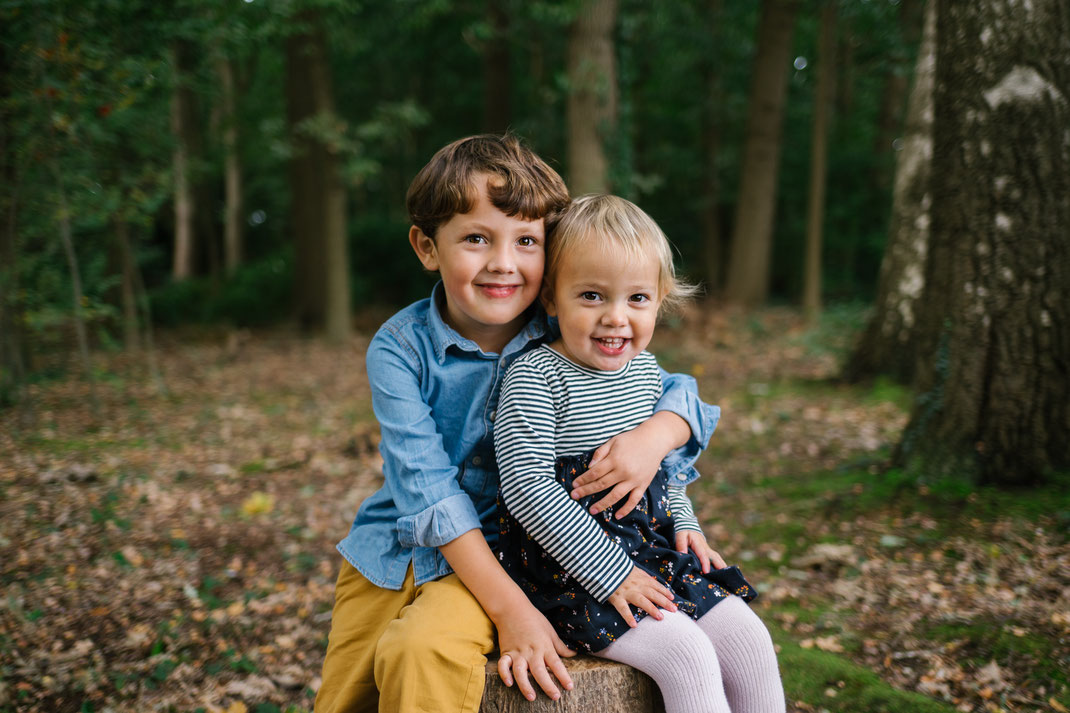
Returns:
point(688, 533)
point(524, 444)
point(672, 438)
point(527, 641)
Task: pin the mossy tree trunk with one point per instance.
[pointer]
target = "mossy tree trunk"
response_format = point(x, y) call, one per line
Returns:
point(752, 236)
point(592, 96)
point(888, 344)
point(319, 197)
point(994, 363)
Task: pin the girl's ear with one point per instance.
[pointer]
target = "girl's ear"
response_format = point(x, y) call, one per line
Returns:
point(425, 248)
point(547, 295)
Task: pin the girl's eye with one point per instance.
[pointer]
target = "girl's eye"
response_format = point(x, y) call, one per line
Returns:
point(527, 241)
point(589, 296)
point(474, 238)
point(640, 298)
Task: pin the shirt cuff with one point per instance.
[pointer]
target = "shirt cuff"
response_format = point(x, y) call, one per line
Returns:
point(440, 523)
point(680, 463)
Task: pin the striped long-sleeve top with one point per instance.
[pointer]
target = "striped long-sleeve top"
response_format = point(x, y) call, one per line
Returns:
point(553, 407)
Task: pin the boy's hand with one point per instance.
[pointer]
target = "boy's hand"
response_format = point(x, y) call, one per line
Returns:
point(642, 590)
point(529, 644)
point(629, 461)
point(694, 541)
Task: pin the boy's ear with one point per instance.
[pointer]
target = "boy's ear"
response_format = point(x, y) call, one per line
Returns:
point(547, 295)
point(424, 247)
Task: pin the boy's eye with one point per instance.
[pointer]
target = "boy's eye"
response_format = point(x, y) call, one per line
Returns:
point(474, 238)
point(589, 296)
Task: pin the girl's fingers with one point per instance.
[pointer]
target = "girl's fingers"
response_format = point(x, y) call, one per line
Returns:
point(649, 607)
point(625, 613)
point(718, 561)
point(704, 559)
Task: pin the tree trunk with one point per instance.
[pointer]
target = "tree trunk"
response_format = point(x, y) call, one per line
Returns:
point(127, 285)
point(67, 239)
point(998, 279)
point(12, 362)
point(497, 81)
point(823, 97)
point(752, 237)
point(600, 685)
point(888, 344)
point(713, 249)
point(183, 120)
point(319, 197)
point(233, 225)
point(894, 94)
point(592, 97)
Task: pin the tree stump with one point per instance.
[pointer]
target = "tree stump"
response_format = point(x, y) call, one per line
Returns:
point(599, 685)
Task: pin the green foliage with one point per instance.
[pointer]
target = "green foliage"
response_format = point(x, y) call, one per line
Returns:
point(257, 294)
point(86, 100)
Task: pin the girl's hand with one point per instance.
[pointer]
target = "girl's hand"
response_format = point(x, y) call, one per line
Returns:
point(529, 644)
point(629, 461)
point(642, 590)
point(694, 541)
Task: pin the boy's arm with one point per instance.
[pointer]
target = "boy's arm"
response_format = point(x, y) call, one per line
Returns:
point(672, 438)
point(434, 508)
point(527, 641)
point(436, 512)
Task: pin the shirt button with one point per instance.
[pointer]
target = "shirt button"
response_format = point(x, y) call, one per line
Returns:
point(681, 476)
point(477, 460)
point(493, 415)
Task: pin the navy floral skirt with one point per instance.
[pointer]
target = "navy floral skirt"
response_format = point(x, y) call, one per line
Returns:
point(646, 534)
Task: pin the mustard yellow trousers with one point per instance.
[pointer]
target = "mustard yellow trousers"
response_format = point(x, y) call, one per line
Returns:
point(417, 650)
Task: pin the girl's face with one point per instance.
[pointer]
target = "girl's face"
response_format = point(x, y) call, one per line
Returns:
point(606, 305)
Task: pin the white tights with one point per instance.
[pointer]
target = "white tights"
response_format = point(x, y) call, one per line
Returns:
point(722, 663)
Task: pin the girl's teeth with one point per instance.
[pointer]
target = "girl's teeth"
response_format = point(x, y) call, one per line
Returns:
point(615, 343)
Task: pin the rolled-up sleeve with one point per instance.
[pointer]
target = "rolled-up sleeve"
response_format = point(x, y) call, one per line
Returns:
point(680, 396)
point(416, 468)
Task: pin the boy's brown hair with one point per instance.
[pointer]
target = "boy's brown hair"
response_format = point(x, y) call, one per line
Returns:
point(522, 183)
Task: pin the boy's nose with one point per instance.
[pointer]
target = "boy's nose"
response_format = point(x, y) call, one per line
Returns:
point(502, 260)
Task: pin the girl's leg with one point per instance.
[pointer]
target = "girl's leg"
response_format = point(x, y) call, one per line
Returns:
point(679, 657)
point(433, 656)
point(747, 657)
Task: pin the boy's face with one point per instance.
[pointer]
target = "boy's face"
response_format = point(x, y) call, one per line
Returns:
point(491, 266)
point(606, 306)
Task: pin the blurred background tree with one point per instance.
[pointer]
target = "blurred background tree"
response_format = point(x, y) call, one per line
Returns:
point(244, 162)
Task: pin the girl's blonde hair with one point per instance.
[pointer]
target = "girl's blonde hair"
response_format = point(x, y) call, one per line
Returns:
point(611, 222)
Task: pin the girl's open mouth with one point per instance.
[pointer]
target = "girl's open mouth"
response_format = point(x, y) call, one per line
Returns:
point(611, 345)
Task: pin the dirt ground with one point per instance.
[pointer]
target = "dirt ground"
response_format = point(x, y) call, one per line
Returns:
point(175, 549)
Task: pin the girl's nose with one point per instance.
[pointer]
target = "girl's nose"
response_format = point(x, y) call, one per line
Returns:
point(614, 316)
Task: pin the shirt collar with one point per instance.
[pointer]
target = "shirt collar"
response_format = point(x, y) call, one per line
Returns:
point(443, 336)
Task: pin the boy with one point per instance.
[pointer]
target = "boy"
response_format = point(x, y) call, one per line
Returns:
point(420, 592)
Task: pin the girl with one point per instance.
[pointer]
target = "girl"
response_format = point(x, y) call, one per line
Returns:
point(608, 272)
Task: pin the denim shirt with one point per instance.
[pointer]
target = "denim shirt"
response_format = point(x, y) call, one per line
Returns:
point(434, 394)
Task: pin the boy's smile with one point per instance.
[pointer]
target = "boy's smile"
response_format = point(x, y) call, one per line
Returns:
point(606, 305)
point(491, 266)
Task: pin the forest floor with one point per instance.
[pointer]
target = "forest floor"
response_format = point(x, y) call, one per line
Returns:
point(175, 551)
